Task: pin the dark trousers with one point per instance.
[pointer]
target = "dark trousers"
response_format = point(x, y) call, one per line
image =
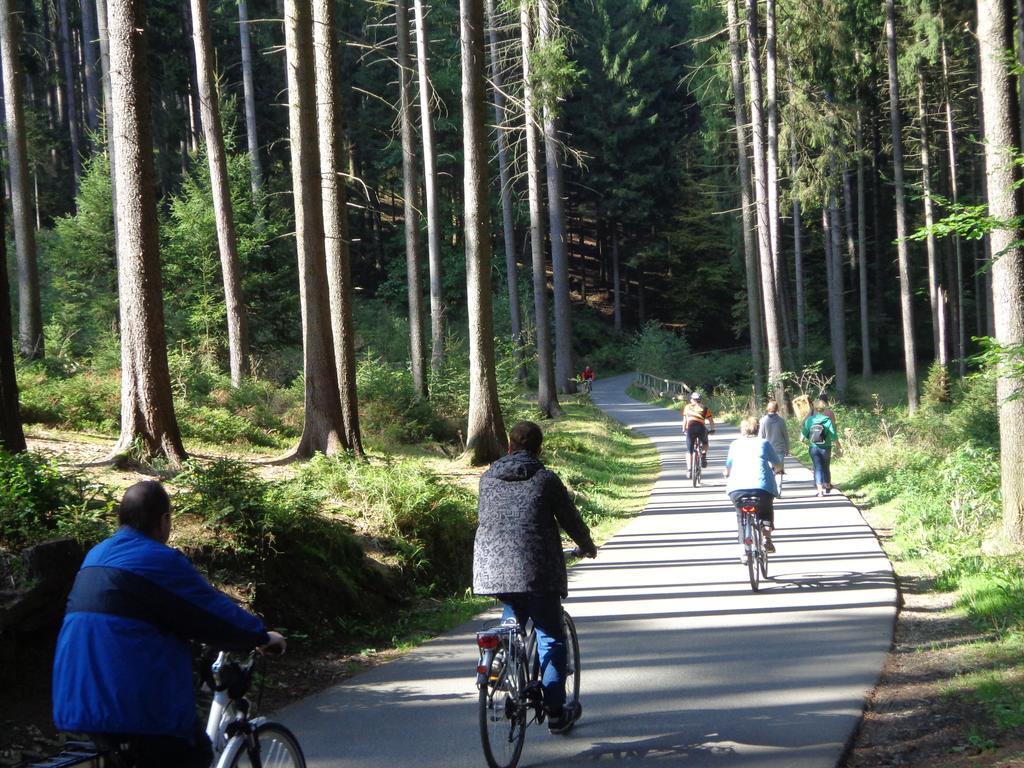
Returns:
point(164, 751)
point(546, 611)
point(766, 513)
point(821, 459)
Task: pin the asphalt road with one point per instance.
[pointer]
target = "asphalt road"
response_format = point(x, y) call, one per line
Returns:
point(681, 664)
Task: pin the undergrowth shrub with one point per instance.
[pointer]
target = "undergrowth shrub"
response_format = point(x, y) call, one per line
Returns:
point(85, 401)
point(300, 567)
point(427, 521)
point(388, 405)
point(39, 501)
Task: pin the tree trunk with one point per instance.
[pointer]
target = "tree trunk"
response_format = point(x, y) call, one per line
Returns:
point(936, 289)
point(411, 188)
point(70, 100)
point(220, 189)
point(249, 96)
point(90, 64)
point(565, 377)
point(798, 260)
point(961, 332)
point(108, 103)
point(322, 428)
point(1002, 142)
point(507, 220)
point(836, 303)
point(430, 186)
point(195, 125)
point(773, 328)
point(30, 316)
point(147, 407)
point(335, 216)
point(746, 205)
point(12, 437)
point(616, 278)
point(485, 435)
point(547, 399)
point(772, 169)
point(862, 253)
point(906, 299)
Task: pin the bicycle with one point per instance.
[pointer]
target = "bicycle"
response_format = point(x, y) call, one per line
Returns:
point(697, 455)
point(238, 742)
point(508, 677)
point(748, 508)
point(587, 385)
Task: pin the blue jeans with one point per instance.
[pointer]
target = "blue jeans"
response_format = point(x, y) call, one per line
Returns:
point(546, 612)
point(821, 458)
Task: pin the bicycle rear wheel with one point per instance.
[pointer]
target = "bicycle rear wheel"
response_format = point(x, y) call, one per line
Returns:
point(695, 465)
point(572, 664)
point(503, 717)
point(757, 552)
point(273, 746)
point(762, 558)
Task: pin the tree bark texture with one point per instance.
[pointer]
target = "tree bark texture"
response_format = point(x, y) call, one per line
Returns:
point(90, 65)
point(1002, 140)
point(195, 126)
point(504, 177)
point(485, 434)
point(220, 189)
point(147, 407)
point(108, 103)
point(836, 304)
point(906, 299)
point(565, 377)
point(12, 437)
point(862, 253)
point(616, 279)
point(335, 216)
point(798, 258)
point(322, 429)
point(773, 328)
point(750, 255)
point(410, 193)
point(30, 315)
point(547, 399)
point(249, 96)
point(430, 188)
point(936, 287)
point(70, 97)
point(954, 193)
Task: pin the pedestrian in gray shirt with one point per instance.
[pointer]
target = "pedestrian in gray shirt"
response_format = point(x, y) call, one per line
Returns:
point(773, 429)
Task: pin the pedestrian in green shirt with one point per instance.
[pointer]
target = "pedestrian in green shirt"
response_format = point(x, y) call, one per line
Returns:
point(820, 434)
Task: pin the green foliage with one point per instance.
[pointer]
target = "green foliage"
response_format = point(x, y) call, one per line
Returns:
point(248, 514)
point(659, 351)
point(937, 389)
point(429, 521)
point(85, 401)
point(388, 404)
point(38, 500)
point(78, 265)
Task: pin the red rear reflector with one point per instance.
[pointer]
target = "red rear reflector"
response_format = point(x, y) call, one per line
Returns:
point(748, 510)
point(487, 640)
point(481, 670)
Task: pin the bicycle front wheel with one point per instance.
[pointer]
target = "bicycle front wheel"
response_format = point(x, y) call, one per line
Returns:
point(503, 716)
point(572, 661)
point(695, 466)
point(271, 746)
point(762, 558)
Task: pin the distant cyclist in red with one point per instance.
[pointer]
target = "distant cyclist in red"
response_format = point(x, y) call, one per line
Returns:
point(587, 378)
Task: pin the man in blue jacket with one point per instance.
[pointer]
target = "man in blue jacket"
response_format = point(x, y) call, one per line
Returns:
point(123, 667)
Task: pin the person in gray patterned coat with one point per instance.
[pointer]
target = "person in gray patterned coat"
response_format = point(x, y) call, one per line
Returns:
point(517, 555)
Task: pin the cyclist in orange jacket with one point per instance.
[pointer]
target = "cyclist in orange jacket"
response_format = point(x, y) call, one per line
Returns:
point(696, 420)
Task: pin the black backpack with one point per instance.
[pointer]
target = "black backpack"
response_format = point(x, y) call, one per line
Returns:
point(818, 434)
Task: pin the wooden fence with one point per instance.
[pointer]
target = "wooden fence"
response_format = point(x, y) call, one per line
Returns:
point(659, 387)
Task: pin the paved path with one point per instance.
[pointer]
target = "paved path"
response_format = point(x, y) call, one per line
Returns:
point(681, 663)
